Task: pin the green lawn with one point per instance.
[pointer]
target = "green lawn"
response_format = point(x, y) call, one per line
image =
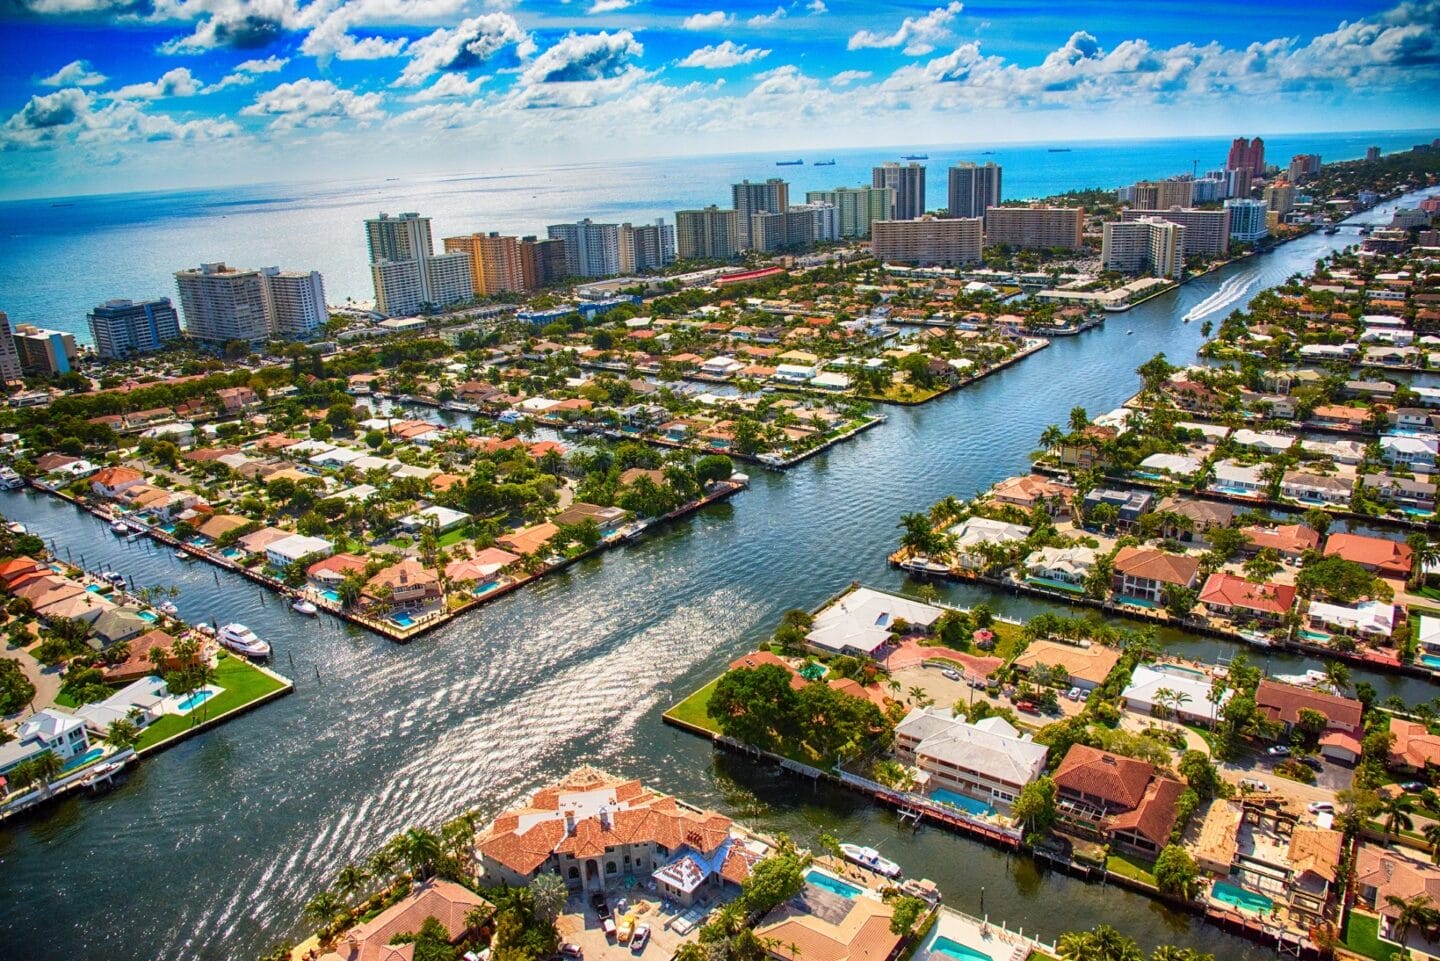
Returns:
point(692, 709)
point(242, 684)
point(63, 699)
point(1009, 640)
point(451, 538)
point(1130, 866)
point(1362, 935)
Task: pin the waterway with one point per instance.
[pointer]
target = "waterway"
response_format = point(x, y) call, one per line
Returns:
point(210, 850)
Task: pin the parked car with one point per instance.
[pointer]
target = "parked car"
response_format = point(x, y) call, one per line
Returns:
point(950, 673)
point(1278, 750)
point(1251, 784)
point(640, 938)
point(1313, 762)
point(608, 925)
point(1084, 696)
point(1027, 706)
point(571, 950)
point(1321, 807)
point(1414, 787)
point(1073, 694)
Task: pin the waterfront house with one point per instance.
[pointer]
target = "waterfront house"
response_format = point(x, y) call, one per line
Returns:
point(1142, 574)
point(111, 482)
point(1179, 692)
point(721, 366)
point(1237, 480)
point(1380, 555)
point(595, 830)
point(1413, 493)
point(18, 570)
point(1268, 442)
point(1384, 873)
point(332, 570)
point(1031, 490)
point(973, 533)
point(46, 730)
point(1130, 505)
point(218, 525)
point(1411, 452)
point(1290, 541)
point(1065, 565)
point(528, 540)
point(407, 585)
point(451, 904)
point(1428, 635)
point(256, 541)
point(434, 518)
point(486, 563)
point(1369, 620)
point(1381, 390)
point(1119, 798)
point(1083, 451)
point(1086, 664)
point(85, 606)
point(141, 701)
point(1203, 517)
point(579, 512)
point(989, 761)
point(1340, 451)
point(1281, 704)
point(1413, 748)
point(818, 925)
point(1311, 866)
point(1219, 841)
point(1339, 417)
point(1241, 600)
point(860, 622)
point(116, 625)
point(1172, 465)
point(1315, 488)
point(296, 548)
point(138, 662)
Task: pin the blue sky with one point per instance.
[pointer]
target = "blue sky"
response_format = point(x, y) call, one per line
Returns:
point(105, 95)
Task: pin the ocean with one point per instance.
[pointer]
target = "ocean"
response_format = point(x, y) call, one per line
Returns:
point(60, 257)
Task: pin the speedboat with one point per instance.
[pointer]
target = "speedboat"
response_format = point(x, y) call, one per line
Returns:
point(302, 606)
point(113, 577)
point(15, 527)
point(242, 640)
point(870, 859)
point(168, 607)
point(182, 555)
point(119, 527)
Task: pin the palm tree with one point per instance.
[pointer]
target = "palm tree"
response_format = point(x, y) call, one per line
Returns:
point(1397, 814)
point(1432, 834)
point(323, 908)
point(123, 734)
point(422, 851)
point(1408, 913)
point(386, 861)
point(351, 881)
point(1337, 676)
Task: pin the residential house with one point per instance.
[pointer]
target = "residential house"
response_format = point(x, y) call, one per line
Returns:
point(117, 625)
point(989, 761)
point(1414, 748)
point(111, 482)
point(1241, 600)
point(1172, 465)
point(236, 399)
point(1086, 664)
point(1290, 541)
point(1384, 876)
point(1368, 620)
point(528, 540)
point(1379, 555)
point(860, 622)
point(1315, 488)
point(1267, 442)
point(579, 512)
point(1142, 574)
point(47, 730)
point(1282, 703)
point(407, 584)
point(1120, 798)
point(807, 928)
point(973, 533)
point(435, 518)
point(1029, 491)
point(486, 563)
point(296, 548)
point(1410, 451)
point(1065, 565)
point(1130, 505)
point(451, 904)
point(141, 701)
point(325, 574)
point(1202, 517)
point(1412, 493)
point(1181, 692)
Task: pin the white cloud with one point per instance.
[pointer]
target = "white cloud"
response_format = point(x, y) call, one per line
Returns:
point(268, 65)
point(610, 6)
point(71, 116)
point(173, 83)
point(722, 55)
point(469, 44)
point(238, 24)
point(77, 6)
point(448, 86)
point(766, 19)
point(817, 7)
point(581, 70)
point(918, 35)
point(846, 77)
point(313, 103)
point(76, 73)
point(331, 36)
point(708, 21)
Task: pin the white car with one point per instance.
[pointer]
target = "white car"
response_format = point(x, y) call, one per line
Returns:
point(1321, 807)
point(1251, 784)
point(950, 674)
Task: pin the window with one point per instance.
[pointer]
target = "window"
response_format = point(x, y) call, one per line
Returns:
point(574, 873)
point(610, 867)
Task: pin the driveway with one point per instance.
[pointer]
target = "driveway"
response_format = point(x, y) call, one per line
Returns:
point(45, 679)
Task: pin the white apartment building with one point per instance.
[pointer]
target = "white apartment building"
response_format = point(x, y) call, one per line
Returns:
point(1247, 219)
point(591, 249)
point(295, 300)
point(222, 304)
point(1148, 245)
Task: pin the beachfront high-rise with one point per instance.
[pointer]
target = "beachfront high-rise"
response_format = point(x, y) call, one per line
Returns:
point(1163, 194)
point(856, 207)
point(1280, 197)
point(749, 199)
point(123, 328)
point(44, 351)
point(295, 301)
point(542, 261)
point(222, 304)
point(1247, 219)
point(1036, 227)
point(1302, 167)
point(973, 189)
point(928, 241)
point(591, 249)
point(794, 228)
point(1247, 155)
point(1207, 232)
point(407, 273)
point(1372, 154)
point(9, 357)
point(908, 182)
point(1146, 244)
point(646, 247)
point(712, 233)
point(495, 265)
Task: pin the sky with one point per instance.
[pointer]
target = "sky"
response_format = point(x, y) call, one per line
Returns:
point(113, 95)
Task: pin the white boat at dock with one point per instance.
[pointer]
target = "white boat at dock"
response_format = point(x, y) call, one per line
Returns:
point(242, 640)
point(120, 527)
point(9, 480)
point(15, 527)
point(182, 555)
point(169, 608)
point(302, 606)
point(870, 859)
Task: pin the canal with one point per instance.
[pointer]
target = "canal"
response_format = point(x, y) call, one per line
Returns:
point(210, 850)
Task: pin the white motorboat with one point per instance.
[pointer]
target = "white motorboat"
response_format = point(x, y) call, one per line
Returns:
point(182, 555)
point(15, 527)
point(9, 480)
point(168, 607)
point(242, 640)
point(870, 859)
point(119, 527)
point(302, 606)
point(114, 578)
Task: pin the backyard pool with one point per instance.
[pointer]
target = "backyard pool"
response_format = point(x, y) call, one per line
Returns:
point(402, 620)
point(1430, 660)
point(1227, 893)
point(1310, 635)
point(150, 616)
point(1135, 601)
point(333, 596)
point(195, 700)
point(94, 754)
point(485, 588)
point(813, 672)
point(955, 949)
point(232, 553)
point(825, 882)
point(967, 804)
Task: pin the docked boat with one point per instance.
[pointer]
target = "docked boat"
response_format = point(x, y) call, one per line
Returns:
point(302, 606)
point(114, 578)
point(242, 640)
point(168, 608)
point(182, 555)
point(120, 528)
point(870, 859)
point(15, 527)
point(9, 480)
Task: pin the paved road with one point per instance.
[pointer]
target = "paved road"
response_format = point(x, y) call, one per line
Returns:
point(45, 679)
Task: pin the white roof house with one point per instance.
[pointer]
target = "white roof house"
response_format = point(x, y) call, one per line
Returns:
point(1071, 564)
point(830, 380)
point(45, 730)
point(991, 753)
point(360, 492)
point(1268, 441)
point(1192, 687)
point(1229, 474)
point(297, 547)
point(973, 531)
point(859, 622)
point(1171, 464)
point(1368, 617)
point(1430, 633)
point(1409, 450)
point(441, 518)
point(145, 697)
point(721, 366)
point(336, 457)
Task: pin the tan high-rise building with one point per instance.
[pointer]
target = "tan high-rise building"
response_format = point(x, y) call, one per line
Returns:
point(1163, 194)
point(929, 241)
point(1280, 197)
point(908, 182)
point(9, 356)
point(1035, 228)
point(222, 304)
point(1207, 232)
point(495, 266)
point(749, 199)
point(1147, 244)
point(709, 234)
point(542, 261)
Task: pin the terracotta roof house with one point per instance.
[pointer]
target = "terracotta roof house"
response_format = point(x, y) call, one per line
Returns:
point(332, 570)
point(1028, 490)
point(1287, 540)
point(1378, 554)
point(1119, 797)
point(1087, 666)
point(406, 584)
point(528, 540)
point(1282, 704)
point(445, 901)
point(221, 524)
point(138, 664)
point(1142, 573)
point(18, 569)
point(1239, 599)
point(1414, 747)
point(84, 606)
point(486, 563)
point(857, 929)
point(111, 481)
point(1382, 873)
point(594, 830)
point(579, 512)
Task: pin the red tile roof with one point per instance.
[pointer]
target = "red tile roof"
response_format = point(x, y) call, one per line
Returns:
point(1118, 780)
point(1154, 816)
point(1153, 565)
point(1283, 702)
point(1376, 553)
point(1227, 590)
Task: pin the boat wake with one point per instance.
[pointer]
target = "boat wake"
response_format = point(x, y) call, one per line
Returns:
point(1230, 292)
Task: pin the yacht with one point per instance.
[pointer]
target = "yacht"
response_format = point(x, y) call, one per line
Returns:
point(242, 640)
point(302, 606)
point(182, 555)
point(9, 480)
point(113, 577)
point(870, 859)
point(15, 527)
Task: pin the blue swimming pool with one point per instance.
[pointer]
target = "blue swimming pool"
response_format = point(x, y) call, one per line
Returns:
point(834, 885)
point(1430, 660)
point(967, 804)
point(331, 596)
point(402, 620)
point(150, 616)
point(958, 951)
point(195, 700)
point(233, 553)
point(1310, 635)
point(1233, 491)
point(1227, 893)
point(94, 754)
point(1135, 601)
point(485, 588)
